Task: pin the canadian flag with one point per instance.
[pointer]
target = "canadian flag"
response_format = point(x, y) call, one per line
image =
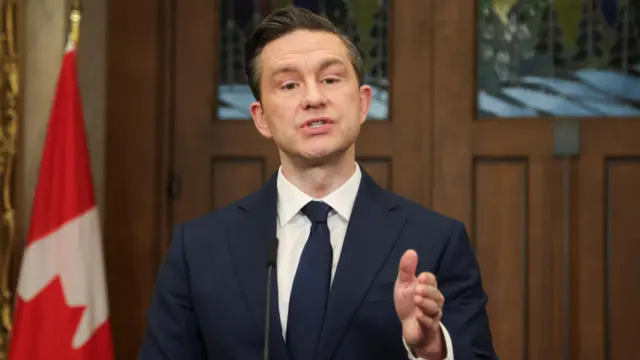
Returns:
point(61, 306)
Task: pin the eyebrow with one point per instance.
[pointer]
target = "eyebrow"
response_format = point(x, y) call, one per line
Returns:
point(329, 63)
point(323, 66)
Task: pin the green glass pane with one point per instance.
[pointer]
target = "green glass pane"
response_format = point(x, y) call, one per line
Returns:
point(568, 58)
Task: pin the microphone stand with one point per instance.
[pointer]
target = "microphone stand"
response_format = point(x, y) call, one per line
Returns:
point(272, 259)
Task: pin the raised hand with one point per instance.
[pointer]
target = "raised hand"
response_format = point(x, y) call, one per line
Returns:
point(419, 305)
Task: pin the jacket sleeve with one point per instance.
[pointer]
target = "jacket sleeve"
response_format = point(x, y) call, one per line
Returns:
point(172, 331)
point(464, 313)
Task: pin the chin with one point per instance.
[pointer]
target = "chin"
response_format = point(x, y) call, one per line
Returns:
point(318, 155)
point(321, 155)
point(318, 151)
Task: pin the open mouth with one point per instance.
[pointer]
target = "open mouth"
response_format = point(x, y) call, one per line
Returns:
point(317, 123)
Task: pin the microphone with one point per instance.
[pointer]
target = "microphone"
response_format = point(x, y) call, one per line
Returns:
point(272, 259)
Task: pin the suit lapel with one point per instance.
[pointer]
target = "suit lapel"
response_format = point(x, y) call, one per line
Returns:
point(249, 234)
point(372, 232)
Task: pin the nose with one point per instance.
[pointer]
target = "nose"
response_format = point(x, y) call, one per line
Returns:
point(313, 97)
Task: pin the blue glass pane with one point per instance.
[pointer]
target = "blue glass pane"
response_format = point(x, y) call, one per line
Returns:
point(558, 58)
point(365, 21)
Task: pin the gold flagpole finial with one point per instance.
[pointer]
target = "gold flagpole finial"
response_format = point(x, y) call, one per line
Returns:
point(75, 18)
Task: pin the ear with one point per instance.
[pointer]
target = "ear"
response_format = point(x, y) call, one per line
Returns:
point(365, 102)
point(257, 113)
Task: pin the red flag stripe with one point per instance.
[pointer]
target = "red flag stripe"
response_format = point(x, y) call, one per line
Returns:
point(65, 188)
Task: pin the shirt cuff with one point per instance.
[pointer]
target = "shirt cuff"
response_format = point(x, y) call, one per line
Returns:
point(447, 342)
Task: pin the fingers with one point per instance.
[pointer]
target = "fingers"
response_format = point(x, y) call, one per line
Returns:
point(429, 314)
point(430, 292)
point(428, 278)
point(428, 300)
point(424, 302)
point(407, 268)
point(428, 307)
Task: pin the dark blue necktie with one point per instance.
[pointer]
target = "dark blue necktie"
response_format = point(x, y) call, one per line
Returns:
point(311, 285)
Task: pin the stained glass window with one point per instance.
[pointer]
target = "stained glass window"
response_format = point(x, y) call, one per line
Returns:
point(547, 58)
point(365, 21)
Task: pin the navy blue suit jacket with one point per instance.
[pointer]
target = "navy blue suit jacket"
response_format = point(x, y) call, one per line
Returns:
point(209, 299)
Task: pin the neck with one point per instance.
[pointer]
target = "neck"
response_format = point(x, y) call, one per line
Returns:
point(319, 180)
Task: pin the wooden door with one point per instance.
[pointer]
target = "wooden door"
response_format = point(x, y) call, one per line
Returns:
point(218, 155)
point(537, 149)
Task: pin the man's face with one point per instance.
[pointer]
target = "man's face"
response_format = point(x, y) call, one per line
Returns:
point(312, 105)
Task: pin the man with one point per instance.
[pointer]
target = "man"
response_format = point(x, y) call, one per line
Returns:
point(361, 273)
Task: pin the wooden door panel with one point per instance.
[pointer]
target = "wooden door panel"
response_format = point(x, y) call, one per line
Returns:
point(622, 249)
point(521, 255)
point(500, 246)
point(547, 273)
point(588, 295)
point(611, 137)
point(607, 254)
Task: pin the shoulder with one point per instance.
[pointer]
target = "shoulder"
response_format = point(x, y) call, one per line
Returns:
point(427, 222)
point(215, 221)
point(442, 241)
point(419, 217)
point(422, 213)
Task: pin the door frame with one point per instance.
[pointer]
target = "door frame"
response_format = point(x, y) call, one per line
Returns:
point(139, 46)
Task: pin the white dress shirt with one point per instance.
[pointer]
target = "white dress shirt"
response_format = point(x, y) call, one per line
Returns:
point(293, 230)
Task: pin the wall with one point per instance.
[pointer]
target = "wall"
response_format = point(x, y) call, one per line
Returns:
point(43, 44)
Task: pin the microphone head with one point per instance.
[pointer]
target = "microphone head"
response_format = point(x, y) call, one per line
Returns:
point(272, 252)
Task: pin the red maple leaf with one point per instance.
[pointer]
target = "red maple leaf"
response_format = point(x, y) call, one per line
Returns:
point(45, 326)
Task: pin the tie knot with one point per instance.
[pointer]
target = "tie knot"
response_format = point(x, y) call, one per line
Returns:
point(317, 211)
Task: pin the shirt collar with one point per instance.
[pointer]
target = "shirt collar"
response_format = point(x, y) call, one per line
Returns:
point(291, 199)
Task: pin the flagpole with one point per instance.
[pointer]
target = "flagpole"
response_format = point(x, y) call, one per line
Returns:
point(74, 17)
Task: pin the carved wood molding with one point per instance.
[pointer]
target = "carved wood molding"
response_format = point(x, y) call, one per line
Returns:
point(9, 117)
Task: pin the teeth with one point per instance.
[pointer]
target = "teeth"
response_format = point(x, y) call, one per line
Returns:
point(316, 124)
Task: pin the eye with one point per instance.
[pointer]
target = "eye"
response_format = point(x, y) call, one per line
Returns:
point(289, 86)
point(331, 80)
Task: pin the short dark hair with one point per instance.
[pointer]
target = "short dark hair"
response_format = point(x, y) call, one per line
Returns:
point(282, 22)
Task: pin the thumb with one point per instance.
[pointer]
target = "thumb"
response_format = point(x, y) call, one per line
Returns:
point(407, 268)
